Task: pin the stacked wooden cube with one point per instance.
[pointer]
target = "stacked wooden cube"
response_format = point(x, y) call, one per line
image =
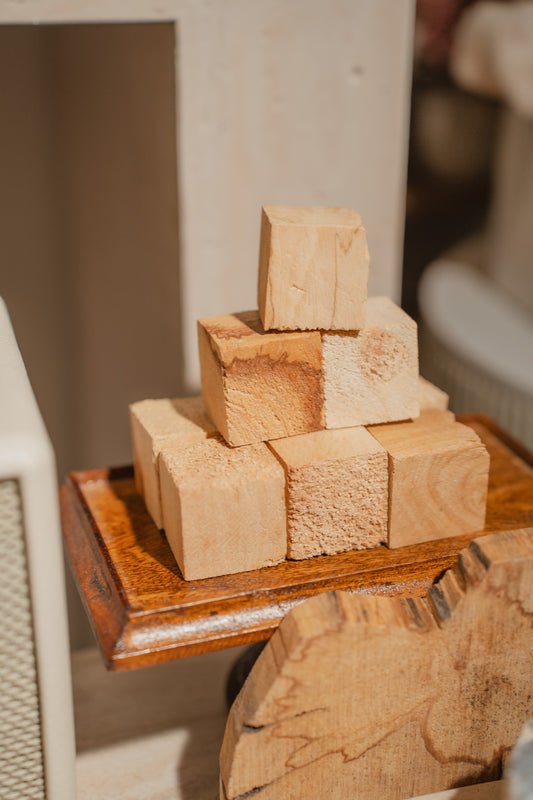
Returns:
point(314, 433)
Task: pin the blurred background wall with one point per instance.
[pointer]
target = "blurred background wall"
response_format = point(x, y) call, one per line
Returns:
point(468, 259)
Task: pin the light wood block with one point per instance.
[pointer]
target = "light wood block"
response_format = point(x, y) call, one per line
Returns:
point(337, 491)
point(174, 423)
point(223, 508)
point(256, 385)
point(371, 376)
point(431, 396)
point(438, 478)
point(313, 268)
point(384, 697)
point(439, 415)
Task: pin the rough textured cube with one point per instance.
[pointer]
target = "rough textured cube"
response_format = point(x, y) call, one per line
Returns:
point(256, 385)
point(223, 508)
point(337, 491)
point(438, 478)
point(313, 269)
point(371, 375)
point(155, 423)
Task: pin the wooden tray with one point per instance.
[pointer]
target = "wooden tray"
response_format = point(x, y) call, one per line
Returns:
point(143, 612)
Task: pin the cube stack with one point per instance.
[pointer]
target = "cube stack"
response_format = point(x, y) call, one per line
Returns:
point(315, 433)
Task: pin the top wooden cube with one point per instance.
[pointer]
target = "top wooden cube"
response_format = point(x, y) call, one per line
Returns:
point(313, 269)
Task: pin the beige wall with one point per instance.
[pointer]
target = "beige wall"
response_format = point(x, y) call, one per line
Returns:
point(89, 230)
point(89, 225)
point(32, 275)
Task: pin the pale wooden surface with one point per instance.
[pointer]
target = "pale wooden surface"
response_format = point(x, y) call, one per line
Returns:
point(155, 733)
point(362, 696)
point(313, 269)
point(430, 396)
point(438, 482)
point(372, 376)
point(337, 491)
point(223, 507)
point(260, 385)
point(163, 424)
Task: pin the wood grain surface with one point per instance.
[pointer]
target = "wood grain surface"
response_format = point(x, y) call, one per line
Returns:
point(438, 478)
point(158, 425)
point(355, 694)
point(223, 508)
point(259, 385)
point(143, 612)
point(313, 269)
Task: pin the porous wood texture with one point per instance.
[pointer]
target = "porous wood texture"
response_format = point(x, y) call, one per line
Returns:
point(143, 612)
point(256, 385)
point(163, 423)
point(412, 696)
point(371, 376)
point(313, 268)
point(337, 491)
point(430, 396)
point(223, 508)
point(438, 478)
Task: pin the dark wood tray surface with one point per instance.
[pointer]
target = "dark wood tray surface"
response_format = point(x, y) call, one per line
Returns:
point(143, 612)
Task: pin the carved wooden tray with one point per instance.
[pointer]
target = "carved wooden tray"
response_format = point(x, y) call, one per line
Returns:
point(143, 612)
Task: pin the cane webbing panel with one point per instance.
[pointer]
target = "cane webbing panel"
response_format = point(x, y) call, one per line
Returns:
point(21, 753)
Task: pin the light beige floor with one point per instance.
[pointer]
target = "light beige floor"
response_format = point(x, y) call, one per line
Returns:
point(484, 791)
point(155, 733)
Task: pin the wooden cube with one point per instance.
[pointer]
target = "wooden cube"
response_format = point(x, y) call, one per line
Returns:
point(256, 385)
point(371, 375)
point(155, 423)
point(223, 508)
point(337, 491)
point(438, 478)
point(313, 269)
point(431, 396)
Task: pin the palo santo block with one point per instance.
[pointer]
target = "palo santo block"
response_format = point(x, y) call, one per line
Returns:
point(337, 491)
point(313, 269)
point(371, 375)
point(223, 508)
point(431, 396)
point(358, 696)
point(438, 478)
point(256, 385)
point(156, 423)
